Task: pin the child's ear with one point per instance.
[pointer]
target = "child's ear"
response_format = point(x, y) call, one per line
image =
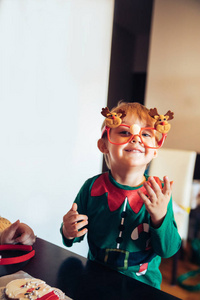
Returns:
point(102, 146)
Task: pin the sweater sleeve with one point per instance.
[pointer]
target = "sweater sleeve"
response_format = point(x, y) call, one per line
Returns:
point(166, 240)
point(4, 223)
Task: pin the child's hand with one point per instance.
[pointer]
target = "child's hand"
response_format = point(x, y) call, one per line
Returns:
point(18, 233)
point(72, 222)
point(156, 203)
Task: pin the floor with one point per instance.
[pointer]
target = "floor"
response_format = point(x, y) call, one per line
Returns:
point(184, 265)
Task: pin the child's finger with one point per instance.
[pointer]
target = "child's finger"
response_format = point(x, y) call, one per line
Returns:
point(145, 199)
point(78, 229)
point(82, 232)
point(151, 193)
point(154, 186)
point(167, 189)
point(79, 218)
point(74, 207)
point(26, 239)
point(22, 238)
point(81, 224)
point(12, 229)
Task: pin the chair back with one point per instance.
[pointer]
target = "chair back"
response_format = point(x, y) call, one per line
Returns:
point(178, 165)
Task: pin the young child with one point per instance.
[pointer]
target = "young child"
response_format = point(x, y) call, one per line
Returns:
point(128, 215)
point(15, 233)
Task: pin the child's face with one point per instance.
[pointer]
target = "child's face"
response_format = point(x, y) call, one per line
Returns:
point(132, 154)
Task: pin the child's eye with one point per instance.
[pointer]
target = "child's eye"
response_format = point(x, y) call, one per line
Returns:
point(124, 133)
point(147, 134)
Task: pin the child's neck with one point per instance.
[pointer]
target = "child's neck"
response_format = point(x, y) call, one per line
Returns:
point(131, 178)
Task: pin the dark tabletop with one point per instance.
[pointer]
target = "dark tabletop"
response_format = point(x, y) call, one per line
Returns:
point(80, 278)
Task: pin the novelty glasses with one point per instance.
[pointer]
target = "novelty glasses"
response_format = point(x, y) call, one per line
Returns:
point(123, 134)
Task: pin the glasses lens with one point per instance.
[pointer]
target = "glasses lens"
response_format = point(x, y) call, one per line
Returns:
point(119, 135)
point(151, 137)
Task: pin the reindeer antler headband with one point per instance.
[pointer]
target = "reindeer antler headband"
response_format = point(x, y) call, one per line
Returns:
point(161, 121)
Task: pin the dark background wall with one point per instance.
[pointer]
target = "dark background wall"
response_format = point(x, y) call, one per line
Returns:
point(129, 54)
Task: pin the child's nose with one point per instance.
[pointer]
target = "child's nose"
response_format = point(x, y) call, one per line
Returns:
point(136, 139)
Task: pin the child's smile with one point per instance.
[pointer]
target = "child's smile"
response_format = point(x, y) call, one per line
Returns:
point(134, 150)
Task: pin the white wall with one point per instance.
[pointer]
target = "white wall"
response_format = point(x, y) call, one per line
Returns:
point(174, 69)
point(54, 67)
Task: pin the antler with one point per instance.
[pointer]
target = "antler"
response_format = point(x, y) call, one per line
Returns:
point(105, 111)
point(153, 112)
point(170, 114)
point(122, 112)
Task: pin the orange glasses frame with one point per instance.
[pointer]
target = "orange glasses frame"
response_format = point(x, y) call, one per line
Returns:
point(160, 144)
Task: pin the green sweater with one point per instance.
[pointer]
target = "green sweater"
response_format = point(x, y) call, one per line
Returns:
point(120, 234)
